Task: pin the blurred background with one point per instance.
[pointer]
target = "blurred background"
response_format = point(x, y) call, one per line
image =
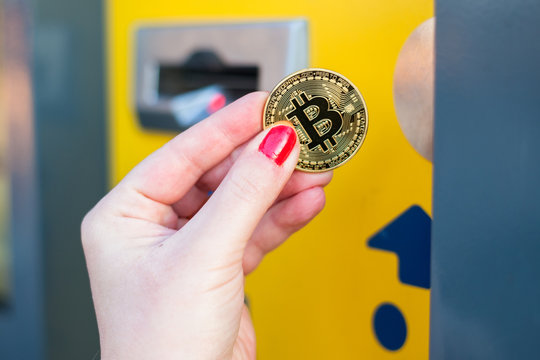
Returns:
point(5, 254)
point(90, 88)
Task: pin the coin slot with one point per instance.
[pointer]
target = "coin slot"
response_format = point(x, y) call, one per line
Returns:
point(184, 72)
point(198, 87)
point(205, 68)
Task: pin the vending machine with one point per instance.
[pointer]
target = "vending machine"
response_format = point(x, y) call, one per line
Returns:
point(109, 82)
point(393, 267)
point(355, 282)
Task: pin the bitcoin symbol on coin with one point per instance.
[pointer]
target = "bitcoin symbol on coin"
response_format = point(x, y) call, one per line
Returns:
point(328, 113)
point(317, 139)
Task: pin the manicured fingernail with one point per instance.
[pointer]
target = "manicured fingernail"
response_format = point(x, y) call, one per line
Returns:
point(278, 143)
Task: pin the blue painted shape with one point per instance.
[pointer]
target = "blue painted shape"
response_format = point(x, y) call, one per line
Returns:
point(409, 236)
point(389, 326)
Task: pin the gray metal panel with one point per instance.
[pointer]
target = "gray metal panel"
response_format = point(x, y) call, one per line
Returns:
point(486, 230)
point(22, 321)
point(69, 91)
point(53, 68)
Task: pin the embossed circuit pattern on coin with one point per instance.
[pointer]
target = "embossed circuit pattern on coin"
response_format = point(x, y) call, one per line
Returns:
point(328, 113)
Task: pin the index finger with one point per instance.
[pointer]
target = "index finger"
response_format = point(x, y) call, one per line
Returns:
point(168, 173)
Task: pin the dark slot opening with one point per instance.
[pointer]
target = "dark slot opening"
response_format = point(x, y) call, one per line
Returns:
point(205, 68)
point(196, 80)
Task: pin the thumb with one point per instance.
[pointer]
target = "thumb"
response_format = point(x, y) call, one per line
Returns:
point(228, 219)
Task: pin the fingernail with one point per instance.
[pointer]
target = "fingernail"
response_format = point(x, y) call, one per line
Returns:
point(278, 143)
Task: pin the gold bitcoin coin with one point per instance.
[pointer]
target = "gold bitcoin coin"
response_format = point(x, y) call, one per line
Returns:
point(328, 113)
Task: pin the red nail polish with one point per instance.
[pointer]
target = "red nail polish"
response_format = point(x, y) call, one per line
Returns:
point(278, 143)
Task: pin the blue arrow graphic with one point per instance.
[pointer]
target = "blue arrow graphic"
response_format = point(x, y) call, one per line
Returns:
point(409, 236)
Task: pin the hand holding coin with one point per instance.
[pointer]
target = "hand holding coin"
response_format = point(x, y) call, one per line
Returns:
point(167, 261)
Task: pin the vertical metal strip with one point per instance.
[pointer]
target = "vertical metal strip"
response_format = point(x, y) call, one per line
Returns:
point(69, 94)
point(486, 230)
point(22, 321)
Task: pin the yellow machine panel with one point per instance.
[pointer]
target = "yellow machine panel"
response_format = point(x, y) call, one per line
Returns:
point(316, 296)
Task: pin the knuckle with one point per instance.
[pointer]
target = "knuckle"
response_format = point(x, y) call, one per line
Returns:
point(87, 221)
point(86, 227)
point(319, 199)
point(90, 227)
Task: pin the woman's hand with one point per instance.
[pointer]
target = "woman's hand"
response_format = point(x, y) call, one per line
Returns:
point(167, 261)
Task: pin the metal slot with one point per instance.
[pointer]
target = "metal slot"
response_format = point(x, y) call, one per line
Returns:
point(185, 73)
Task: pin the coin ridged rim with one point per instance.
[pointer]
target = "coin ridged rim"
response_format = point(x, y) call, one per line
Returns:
point(355, 88)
